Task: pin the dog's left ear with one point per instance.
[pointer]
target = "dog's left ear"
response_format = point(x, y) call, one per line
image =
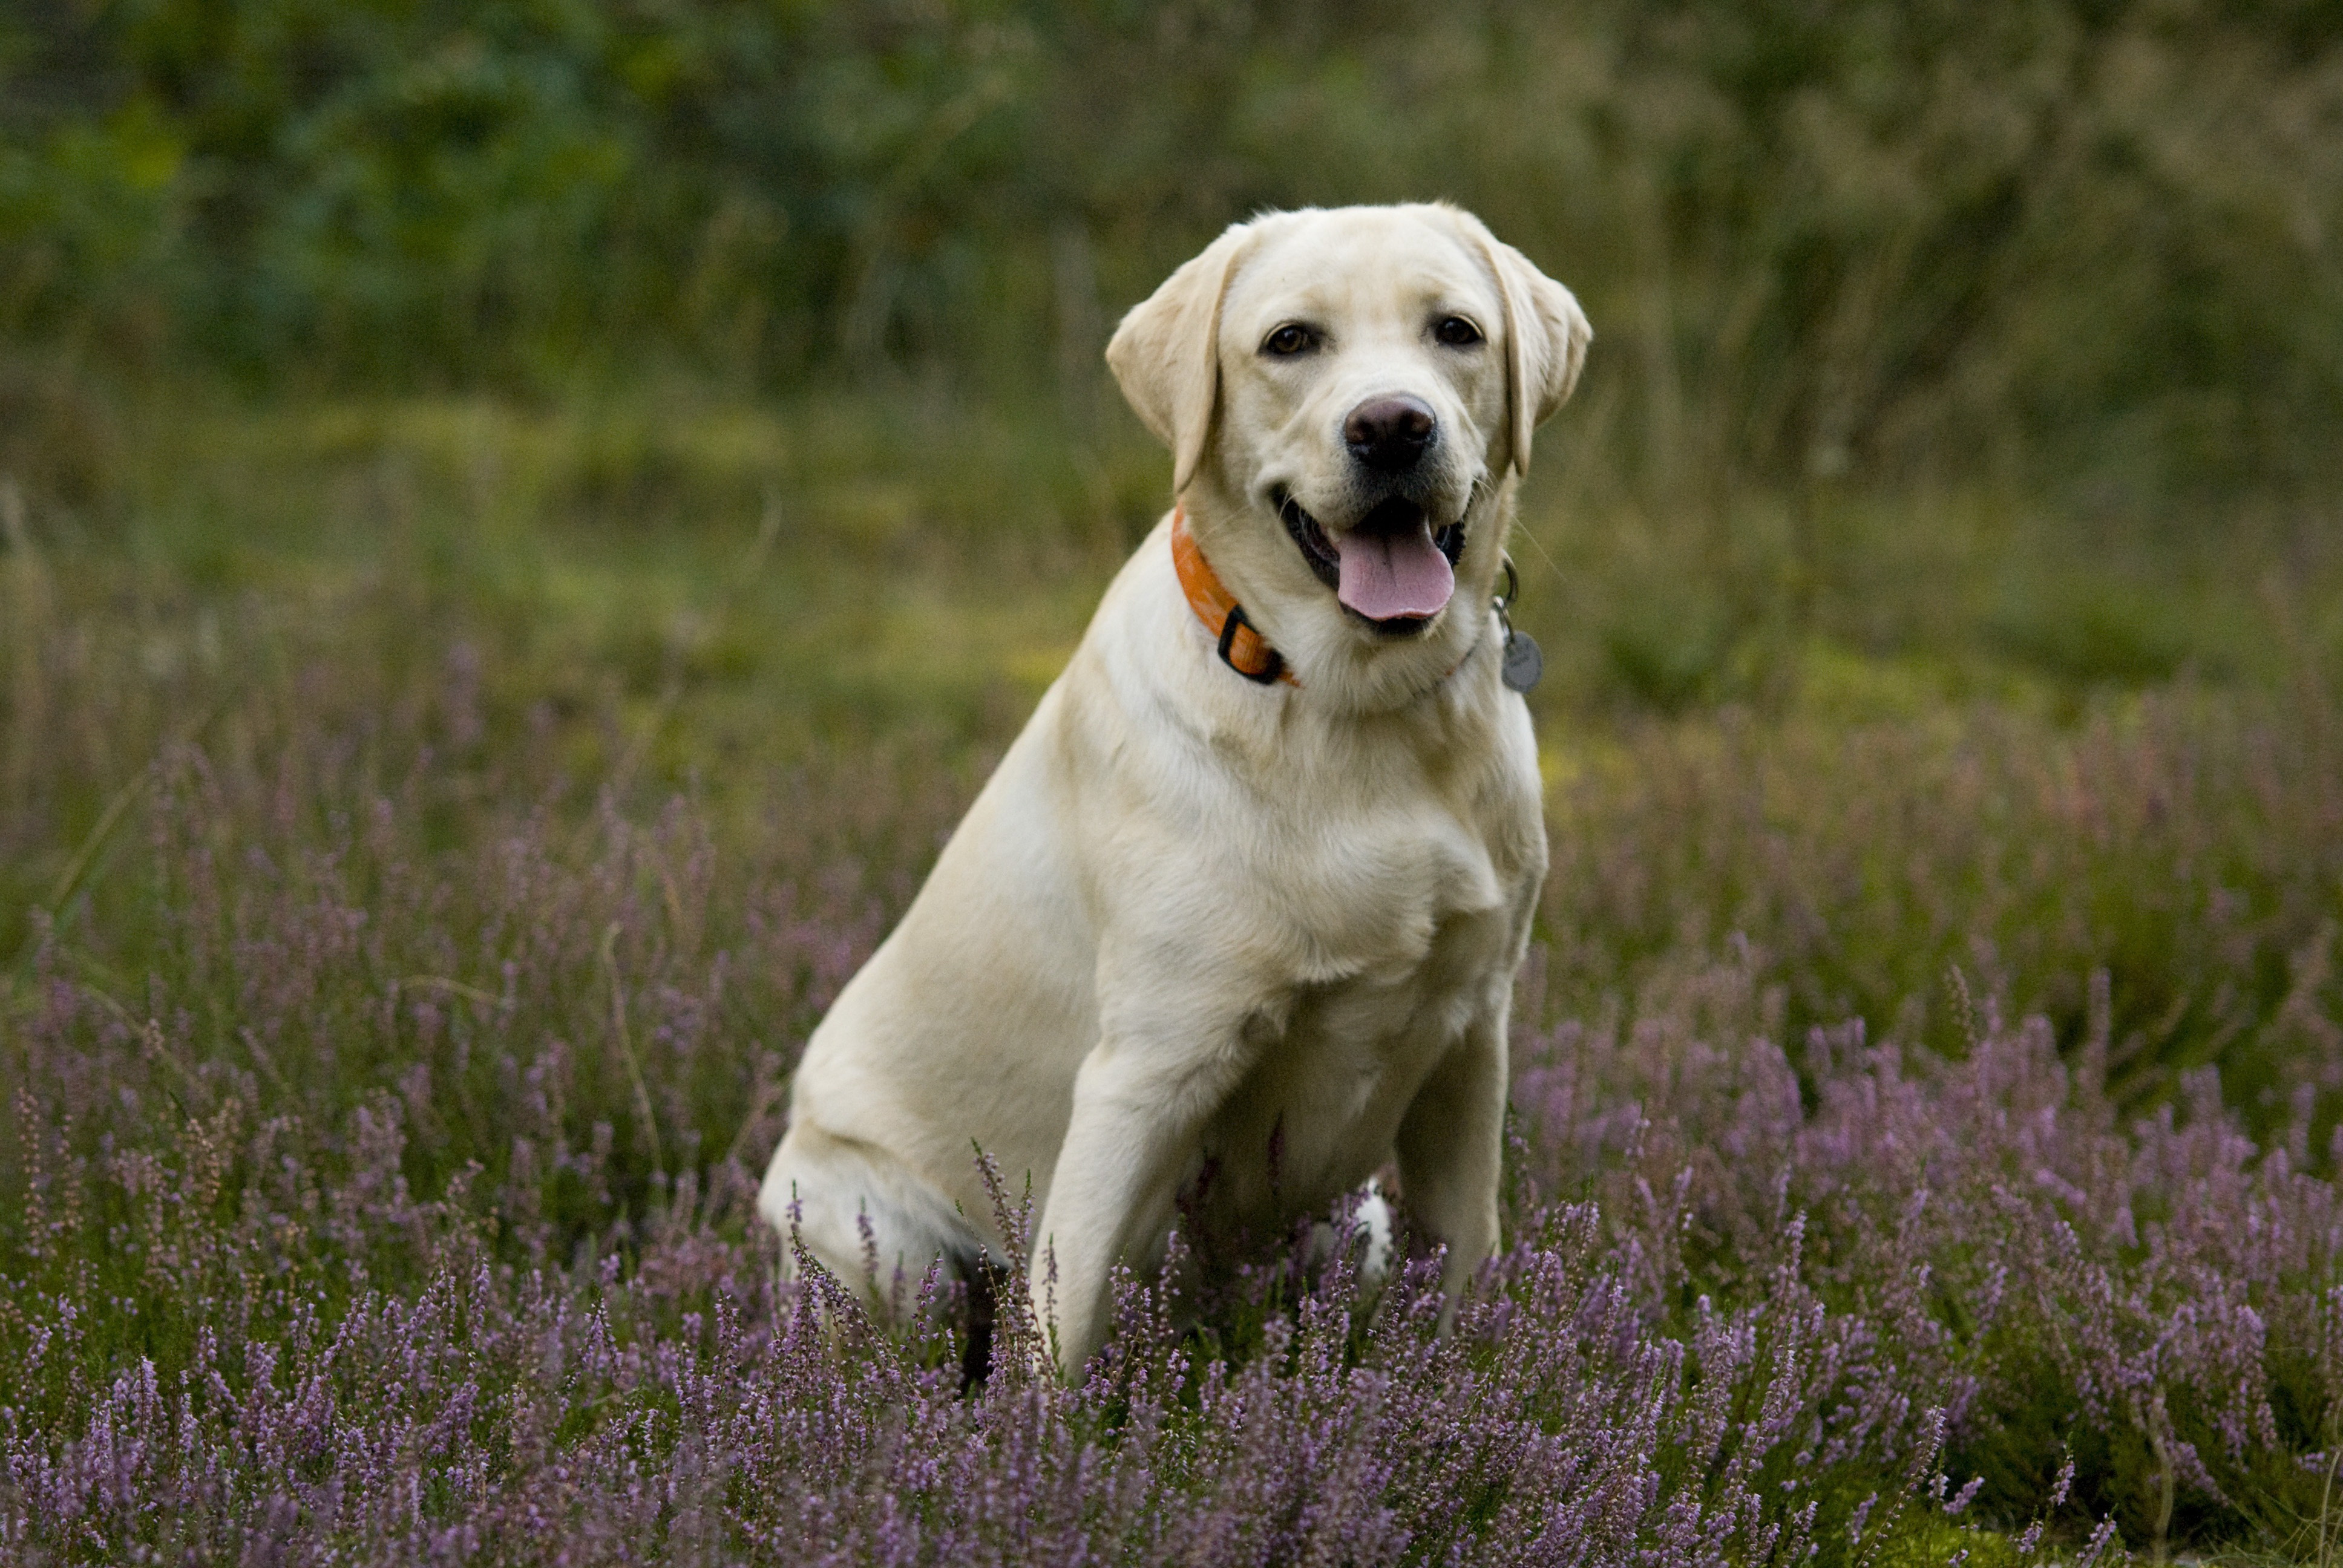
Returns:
point(1166, 354)
point(1546, 336)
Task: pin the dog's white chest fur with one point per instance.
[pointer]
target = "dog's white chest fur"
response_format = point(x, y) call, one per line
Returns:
point(1338, 1060)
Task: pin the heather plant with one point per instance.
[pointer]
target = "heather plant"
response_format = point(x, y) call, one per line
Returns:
point(2184, 847)
point(290, 1354)
point(2153, 1298)
point(385, 1124)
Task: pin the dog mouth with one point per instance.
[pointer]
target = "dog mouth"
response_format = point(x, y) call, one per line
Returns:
point(1390, 569)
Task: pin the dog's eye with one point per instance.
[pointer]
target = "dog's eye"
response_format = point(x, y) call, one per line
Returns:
point(1457, 333)
point(1289, 339)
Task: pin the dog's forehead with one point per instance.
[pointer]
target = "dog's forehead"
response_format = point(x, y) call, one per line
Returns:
point(1356, 263)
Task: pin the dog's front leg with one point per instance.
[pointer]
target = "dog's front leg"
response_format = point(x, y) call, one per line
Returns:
point(1141, 1101)
point(1450, 1145)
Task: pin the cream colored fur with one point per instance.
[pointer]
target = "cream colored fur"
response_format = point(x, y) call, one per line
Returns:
point(1194, 923)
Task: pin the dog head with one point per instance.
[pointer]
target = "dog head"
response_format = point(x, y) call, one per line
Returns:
point(1349, 396)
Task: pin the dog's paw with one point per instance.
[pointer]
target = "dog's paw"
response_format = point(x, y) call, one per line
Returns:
point(1360, 1230)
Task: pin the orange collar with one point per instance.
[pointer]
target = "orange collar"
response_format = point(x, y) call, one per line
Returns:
point(1243, 648)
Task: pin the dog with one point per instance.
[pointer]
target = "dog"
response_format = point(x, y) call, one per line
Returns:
point(1235, 922)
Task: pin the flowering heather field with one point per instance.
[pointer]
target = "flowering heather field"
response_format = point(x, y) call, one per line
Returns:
point(1924, 1145)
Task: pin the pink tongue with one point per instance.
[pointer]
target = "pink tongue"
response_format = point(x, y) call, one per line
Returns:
point(1386, 575)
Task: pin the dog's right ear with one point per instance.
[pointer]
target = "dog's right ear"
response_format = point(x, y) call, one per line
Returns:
point(1166, 354)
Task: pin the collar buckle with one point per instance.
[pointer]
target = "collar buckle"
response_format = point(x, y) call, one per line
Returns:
point(1274, 663)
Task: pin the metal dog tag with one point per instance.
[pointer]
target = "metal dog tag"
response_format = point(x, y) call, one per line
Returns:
point(1524, 661)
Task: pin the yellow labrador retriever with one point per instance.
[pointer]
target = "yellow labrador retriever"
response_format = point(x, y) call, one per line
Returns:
point(1238, 914)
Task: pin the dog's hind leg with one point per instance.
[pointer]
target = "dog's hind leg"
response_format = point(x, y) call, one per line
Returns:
point(857, 1212)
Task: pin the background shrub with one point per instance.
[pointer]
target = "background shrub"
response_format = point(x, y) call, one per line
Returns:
point(1851, 242)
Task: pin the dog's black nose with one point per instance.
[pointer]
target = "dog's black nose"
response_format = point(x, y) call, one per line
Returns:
point(1389, 434)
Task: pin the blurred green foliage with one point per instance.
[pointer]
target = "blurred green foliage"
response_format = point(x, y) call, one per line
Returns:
point(2089, 243)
